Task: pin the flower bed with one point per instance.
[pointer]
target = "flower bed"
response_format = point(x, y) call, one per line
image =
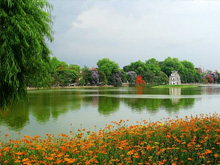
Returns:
point(192, 140)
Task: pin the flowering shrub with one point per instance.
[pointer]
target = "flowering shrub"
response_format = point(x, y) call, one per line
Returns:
point(192, 140)
point(131, 76)
point(140, 81)
point(95, 77)
point(117, 79)
point(210, 77)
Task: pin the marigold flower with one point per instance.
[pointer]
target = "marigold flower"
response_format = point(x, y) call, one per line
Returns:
point(208, 151)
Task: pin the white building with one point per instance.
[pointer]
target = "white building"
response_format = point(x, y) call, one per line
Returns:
point(174, 78)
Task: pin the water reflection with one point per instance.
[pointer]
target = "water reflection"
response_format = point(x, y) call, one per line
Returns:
point(50, 105)
point(154, 105)
point(15, 119)
point(108, 105)
point(175, 92)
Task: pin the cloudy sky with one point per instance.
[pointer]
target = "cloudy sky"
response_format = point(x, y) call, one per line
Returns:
point(129, 30)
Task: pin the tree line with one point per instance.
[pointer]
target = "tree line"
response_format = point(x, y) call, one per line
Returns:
point(108, 72)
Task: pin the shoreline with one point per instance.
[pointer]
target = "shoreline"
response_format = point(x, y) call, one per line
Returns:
point(193, 85)
point(67, 87)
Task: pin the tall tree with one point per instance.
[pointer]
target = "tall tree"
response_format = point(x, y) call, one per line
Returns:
point(171, 64)
point(188, 72)
point(108, 67)
point(138, 67)
point(152, 65)
point(25, 28)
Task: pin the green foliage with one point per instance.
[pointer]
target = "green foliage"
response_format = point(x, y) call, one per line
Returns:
point(188, 72)
point(152, 65)
point(138, 67)
point(82, 82)
point(108, 67)
point(124, 76)
point(62, 74)
point(176, 86)
point(25, 26)
point(218, 74)
point(102, 78)
point(161, 78)
point(171, 64)
point(150, 71)
point(87, 75)
point(185, 68)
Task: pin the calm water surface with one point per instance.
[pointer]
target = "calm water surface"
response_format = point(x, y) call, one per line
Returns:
point(58, 111)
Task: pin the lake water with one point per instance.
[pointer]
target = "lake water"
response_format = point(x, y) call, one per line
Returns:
point(58, 111)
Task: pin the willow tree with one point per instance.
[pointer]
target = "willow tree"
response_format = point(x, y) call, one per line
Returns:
point(25, 29)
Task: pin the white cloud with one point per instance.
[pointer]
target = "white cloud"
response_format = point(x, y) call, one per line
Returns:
point(127, 31)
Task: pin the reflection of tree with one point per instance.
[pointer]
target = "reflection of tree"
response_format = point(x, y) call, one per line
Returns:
point(154, 105)
point(183, 103)
point(210, 90)
point(140, 90)
point(108, 105)
point(142, 104)
point(87, 101)
point(47, 104)
point(15, 119)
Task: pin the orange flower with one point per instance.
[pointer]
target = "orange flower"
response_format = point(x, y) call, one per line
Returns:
point(17, 161)
point(70, 160)
point(27, 137)
point(49, 158)
point(208, 151)
point(149, 147)
point(6, 149)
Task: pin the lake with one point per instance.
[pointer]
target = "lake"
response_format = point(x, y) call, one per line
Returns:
point(58, 111)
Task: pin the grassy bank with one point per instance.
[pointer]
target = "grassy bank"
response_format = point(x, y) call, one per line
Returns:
point(175, 86)
point(192, 140)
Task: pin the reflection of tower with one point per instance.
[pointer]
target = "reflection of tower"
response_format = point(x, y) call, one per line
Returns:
point(175, 92)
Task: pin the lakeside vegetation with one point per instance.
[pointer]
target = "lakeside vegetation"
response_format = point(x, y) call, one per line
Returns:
point(189, 140)
point(175, 86)
point(108, 72)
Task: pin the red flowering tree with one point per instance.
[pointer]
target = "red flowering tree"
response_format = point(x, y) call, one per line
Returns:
point(139, 81)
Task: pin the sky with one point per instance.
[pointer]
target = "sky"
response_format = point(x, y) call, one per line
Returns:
point(126, 31)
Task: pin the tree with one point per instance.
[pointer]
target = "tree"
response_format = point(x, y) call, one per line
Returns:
point(139, 81)
point(123, 76)
point(102, 78)
point(152, 65)
point(87, 75)
point(62, 74)
point(217, 74)
point(25, 27)
point(188, 72)
point(74, 71)
point(171, 64)
point(210, 78)
point(131, 77)
point(138, 67)
point(95, 77)
point(161, 78)
point(108, 67)
point(116, 79)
